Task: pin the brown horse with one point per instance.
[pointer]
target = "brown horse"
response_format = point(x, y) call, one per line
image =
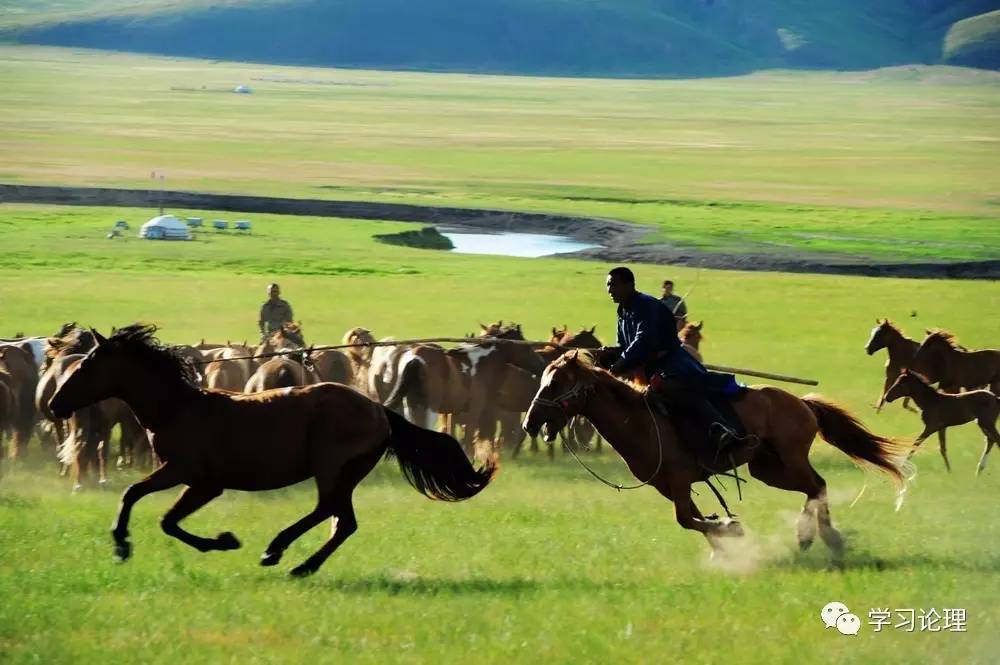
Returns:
point(18, 364)
point(282, 371)
point(225, 374)
point(461, 382)
point(690, 336)
point(954, 368)
point(901, 349)
point(940, 410)
point(784, 424)
point(214, 441)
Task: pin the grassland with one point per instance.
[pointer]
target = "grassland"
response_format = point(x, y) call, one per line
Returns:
point(897, 164)
point(547, 566)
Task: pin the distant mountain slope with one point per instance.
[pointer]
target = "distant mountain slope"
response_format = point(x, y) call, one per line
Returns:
point(564, 37)
point(974, 42)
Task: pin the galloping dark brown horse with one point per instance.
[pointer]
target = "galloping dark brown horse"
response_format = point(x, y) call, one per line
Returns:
point(784, 424)
point(213, 441)
point(940, 410)
point(942, 359)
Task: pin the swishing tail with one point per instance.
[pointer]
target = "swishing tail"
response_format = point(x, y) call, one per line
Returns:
point(434, 463)
point(843, 431)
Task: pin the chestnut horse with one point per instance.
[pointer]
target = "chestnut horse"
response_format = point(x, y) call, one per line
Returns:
point(784, 424)
point(213, 441)
point(940, 410)
point(901, 349)
point(955, 368)
point(690, 336)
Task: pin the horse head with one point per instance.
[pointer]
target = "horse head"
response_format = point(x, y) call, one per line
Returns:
point(564, 387)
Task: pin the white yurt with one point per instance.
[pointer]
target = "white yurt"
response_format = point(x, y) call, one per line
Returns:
point(165, 227)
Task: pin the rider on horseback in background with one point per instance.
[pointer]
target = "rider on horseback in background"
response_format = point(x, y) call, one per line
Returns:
point(647, 340)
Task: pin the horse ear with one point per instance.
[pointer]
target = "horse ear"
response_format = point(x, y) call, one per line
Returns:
point(700, 324)
point(98, 336)
point(573, 354)
point(592, 329)
point(555, 331)
point(485, 328)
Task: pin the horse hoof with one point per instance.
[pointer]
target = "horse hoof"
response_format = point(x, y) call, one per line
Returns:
point(734, 528)
point(227, 541)
point(123, 551)
point(805, 544)
point(270, 558)
point(302, 571)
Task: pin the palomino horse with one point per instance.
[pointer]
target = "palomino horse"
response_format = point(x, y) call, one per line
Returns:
point(360, 357)
point(940, 410)
point(784, 424)
point(901, 349)
point(213, 441)
point(954, 368)
point(460, 382)
point(690, 336)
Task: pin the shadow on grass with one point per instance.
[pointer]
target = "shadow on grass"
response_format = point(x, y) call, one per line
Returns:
point(432, 586)
point(865, 560)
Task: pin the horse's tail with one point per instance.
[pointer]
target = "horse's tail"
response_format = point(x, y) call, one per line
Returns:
point(409, 383)
point(843, 431)
point(434, 463)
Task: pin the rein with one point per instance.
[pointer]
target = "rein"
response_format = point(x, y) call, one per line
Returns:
point(561, 402)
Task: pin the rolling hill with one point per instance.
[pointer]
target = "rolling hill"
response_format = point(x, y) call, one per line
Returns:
point(635, 38)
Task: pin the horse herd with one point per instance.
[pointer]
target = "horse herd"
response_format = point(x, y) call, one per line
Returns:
point(277, 407)
point(483, 389)
point(968, 382)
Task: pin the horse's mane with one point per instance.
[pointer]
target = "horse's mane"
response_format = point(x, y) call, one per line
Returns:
point(140, 341)
point(70, 339)
point(922, 378)
point(622, 388)
point(946, 337)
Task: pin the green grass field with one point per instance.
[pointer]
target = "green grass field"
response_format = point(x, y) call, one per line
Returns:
point(898, 164)
point(547, 565)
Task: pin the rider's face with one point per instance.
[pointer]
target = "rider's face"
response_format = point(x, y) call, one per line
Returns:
point(617, 289)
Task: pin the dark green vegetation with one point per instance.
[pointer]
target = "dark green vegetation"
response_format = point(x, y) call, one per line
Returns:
point(576, 38)
point(426, 238)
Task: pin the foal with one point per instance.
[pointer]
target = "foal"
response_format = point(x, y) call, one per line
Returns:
point(940, 410)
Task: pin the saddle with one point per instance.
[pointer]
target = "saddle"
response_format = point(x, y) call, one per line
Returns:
point(722, 390)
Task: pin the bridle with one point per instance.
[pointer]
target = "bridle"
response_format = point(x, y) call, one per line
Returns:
point(562, 401)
